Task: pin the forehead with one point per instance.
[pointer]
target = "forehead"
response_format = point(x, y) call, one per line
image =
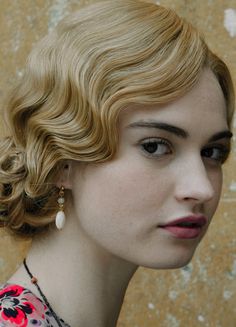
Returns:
point(204, 106)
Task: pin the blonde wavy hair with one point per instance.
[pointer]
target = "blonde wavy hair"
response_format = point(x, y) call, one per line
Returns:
point(77, 80)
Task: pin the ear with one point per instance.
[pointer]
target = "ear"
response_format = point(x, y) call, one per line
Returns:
point(64, 176)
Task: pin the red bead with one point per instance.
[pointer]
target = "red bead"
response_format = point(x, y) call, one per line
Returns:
point(34, 280)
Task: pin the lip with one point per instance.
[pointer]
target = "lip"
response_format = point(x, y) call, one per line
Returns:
point(194, 230)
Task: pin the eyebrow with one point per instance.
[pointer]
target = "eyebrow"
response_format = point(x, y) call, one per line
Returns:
point(177, 130)
point(221, 135)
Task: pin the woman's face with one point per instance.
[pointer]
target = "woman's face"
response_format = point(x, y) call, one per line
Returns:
point(168, 166)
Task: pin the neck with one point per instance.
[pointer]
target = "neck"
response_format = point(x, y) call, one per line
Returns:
point(88, 283)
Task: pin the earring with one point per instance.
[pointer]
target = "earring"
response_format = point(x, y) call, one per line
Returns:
point(60, 217)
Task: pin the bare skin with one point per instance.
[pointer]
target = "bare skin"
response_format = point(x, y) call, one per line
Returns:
point(79, 279)
point(114, 209)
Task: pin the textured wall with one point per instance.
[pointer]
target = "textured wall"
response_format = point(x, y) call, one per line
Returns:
point(204, 292)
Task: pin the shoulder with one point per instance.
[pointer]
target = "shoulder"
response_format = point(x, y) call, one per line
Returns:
point(19, 307)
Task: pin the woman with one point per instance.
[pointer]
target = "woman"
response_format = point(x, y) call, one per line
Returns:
point(118, 133)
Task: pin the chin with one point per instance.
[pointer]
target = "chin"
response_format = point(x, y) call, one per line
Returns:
point(170, 262)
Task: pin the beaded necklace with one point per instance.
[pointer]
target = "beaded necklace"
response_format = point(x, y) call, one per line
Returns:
point(35, 282)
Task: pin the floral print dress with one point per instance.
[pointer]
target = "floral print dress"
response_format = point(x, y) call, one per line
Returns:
point(20, 307)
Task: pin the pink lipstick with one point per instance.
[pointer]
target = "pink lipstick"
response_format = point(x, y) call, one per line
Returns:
point(187, 227)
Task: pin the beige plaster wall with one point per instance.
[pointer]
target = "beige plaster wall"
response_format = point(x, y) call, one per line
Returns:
point(204, 292)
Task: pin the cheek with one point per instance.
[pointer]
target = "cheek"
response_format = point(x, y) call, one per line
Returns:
point(103, 209)
point(216, 182)
point(117, 199)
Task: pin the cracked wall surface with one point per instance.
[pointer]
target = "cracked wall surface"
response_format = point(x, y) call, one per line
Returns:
point(204, 292)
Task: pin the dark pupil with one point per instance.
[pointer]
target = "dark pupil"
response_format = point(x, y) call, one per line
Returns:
point(151, 147)
point(208, 152)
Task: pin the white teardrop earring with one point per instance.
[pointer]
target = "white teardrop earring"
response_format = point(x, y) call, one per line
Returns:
point(60, 217)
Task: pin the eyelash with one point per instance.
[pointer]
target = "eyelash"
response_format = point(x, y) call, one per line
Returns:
point(223, 151)
point(155, 142)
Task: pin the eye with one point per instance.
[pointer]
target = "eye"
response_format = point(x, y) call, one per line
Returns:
point(217, 153)
point(156, 147)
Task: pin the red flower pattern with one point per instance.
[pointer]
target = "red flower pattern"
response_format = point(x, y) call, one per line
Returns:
point(20, 307)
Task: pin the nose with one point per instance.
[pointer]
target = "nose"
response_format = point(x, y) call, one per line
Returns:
point(193, 182)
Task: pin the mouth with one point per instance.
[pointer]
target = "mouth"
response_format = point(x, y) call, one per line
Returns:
point(187, 227)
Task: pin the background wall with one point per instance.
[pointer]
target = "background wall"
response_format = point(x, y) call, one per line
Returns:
point(202, 293)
